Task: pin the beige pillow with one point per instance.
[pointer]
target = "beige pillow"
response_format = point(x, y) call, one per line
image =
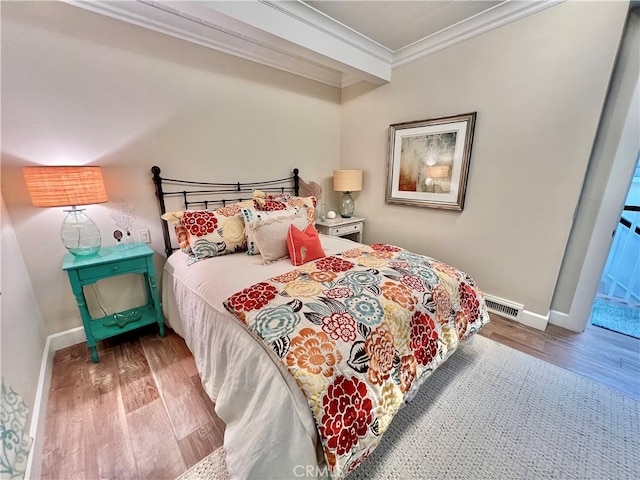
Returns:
point(267, 231)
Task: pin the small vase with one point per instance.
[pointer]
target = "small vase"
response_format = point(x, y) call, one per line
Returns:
point(127, 240)
point(322, 213)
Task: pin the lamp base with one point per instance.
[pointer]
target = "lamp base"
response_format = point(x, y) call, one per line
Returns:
point(346, 206)
point(79, 234)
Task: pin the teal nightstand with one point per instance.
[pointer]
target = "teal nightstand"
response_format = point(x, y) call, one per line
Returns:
point(110, 262)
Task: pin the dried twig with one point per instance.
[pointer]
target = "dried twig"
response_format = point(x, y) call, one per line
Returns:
point(123, 215)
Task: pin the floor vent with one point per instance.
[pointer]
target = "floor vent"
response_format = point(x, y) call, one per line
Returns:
point(503, 307)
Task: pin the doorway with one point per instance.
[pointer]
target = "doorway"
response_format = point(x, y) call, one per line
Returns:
point(618, 148)
point(617, 303)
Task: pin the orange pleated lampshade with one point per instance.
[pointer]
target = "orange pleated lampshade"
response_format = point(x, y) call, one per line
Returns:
point(65, 186)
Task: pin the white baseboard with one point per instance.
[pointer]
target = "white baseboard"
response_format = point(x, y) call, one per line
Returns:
point(534, 320)
point(563, 320)
point(525, 317)
point(54, 342)
point(67, 338)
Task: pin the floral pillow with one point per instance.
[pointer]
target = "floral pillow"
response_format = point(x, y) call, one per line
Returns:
point(209, 233)
point(283, 201)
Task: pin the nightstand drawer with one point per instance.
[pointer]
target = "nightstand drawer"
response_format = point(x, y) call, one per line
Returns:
point(114, 268)
point(346, 229)
point(342, 227)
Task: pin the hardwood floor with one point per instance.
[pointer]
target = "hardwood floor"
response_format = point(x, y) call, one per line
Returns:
point(141, 413)
point(607, 357)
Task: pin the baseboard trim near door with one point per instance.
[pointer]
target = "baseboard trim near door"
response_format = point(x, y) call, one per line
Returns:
point(534, 320)
point(563, 320)
point(54, 342)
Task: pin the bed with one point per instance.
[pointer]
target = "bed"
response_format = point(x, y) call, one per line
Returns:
point(306, 364)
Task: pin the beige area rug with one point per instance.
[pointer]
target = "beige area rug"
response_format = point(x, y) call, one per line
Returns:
point(210, 467)
point(492, 412)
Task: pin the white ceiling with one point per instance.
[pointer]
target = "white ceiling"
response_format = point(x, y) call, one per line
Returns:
point(397, 24)
point(334, 42)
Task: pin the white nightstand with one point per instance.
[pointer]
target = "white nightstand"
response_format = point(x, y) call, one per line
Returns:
point(341, 227)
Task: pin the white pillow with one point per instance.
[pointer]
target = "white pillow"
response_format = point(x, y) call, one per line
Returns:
point(267, 231)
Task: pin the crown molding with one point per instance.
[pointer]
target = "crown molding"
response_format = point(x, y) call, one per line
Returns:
point(305, 31)
point(212, 34)
point(311, 48)
point(321, 22)
point(502, 14)
point(294, 37)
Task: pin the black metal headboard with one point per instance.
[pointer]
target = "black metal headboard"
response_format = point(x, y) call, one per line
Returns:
point(206, 195)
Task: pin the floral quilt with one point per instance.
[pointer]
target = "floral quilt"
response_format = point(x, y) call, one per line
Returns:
point(360, 331)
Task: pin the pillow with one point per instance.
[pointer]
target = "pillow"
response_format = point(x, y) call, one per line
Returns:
point(304, 246)
point(268, 202)
point(209, 233)
point(267, 231)
point(228, 210)
point(254, 215)
point(283, 201)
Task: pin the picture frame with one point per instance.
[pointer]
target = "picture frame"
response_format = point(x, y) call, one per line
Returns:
point(428, 161)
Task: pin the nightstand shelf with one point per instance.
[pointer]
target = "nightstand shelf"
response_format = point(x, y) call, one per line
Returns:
point(342, 227)
point(104, 327)
point(111, 262)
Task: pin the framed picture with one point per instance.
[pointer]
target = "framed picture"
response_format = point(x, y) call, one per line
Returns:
point(429, 161)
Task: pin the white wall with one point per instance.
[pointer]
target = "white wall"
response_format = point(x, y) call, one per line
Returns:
point(23, 334)
point(538, 86)
point(78, 88)
point(82, 88)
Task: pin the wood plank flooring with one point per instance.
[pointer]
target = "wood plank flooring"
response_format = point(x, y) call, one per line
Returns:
point(606, 357)
point(141, 412)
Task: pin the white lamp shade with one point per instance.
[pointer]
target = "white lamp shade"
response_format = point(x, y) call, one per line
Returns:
point(347, 180)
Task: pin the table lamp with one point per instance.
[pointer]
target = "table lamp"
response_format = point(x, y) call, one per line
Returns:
point(69, 187)
point(347, 181)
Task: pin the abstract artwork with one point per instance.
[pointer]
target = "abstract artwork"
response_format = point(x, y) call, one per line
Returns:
point(429, 161)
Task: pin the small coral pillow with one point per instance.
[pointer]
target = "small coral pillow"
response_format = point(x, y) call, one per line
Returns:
point(304, 245)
